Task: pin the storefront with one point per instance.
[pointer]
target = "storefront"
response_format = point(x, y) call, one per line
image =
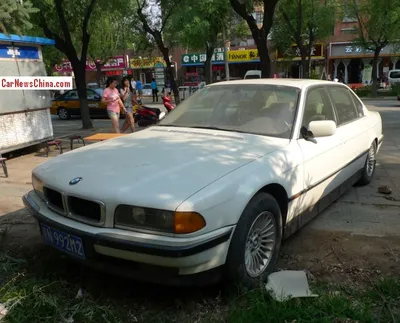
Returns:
point(239, 61)
point(115, 66)
point(289, 62)
point(144, 69)
point(351, 63)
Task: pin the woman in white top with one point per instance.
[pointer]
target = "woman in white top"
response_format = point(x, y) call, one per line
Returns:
point(127, 98)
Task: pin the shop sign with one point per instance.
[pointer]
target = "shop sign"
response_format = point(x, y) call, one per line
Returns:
point(197, 59)
point(355, 50)
point(115, 62)
point(19, 52)
point(317, 52)
point(246, 55)
point(146, 62)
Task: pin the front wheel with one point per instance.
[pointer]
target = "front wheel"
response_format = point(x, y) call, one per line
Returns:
point(63, 114)
point(255, 245)
point(369, 166)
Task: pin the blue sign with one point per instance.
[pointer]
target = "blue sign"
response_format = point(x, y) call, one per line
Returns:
point(19, 52)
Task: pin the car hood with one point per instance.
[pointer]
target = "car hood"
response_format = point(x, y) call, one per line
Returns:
point(157, 167)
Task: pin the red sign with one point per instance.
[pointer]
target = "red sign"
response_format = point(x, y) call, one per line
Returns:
point(116, 62)
point(218, 67)
point(110, 73)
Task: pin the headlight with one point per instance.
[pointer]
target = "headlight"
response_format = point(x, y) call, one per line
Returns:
point(158, 220)
point(37, 186)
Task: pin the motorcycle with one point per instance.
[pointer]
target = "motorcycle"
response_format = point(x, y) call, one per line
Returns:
point(146, 116)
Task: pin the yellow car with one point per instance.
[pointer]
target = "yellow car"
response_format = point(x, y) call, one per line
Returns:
point(67, 104)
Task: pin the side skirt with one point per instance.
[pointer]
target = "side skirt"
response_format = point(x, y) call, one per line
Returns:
point(303, 218)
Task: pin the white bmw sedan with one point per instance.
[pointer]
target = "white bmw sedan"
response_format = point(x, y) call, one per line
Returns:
point(214, 187)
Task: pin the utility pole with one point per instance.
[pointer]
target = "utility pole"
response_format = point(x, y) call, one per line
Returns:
point(225, 53)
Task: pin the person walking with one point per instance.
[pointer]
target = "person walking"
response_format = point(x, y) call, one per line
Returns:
point(113, 101)
point(127, 98)
point(154, 90)
point(139, 88)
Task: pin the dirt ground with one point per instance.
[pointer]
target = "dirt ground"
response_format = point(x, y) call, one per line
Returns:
point(329, 256)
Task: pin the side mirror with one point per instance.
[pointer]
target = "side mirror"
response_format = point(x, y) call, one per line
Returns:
point(322, 128)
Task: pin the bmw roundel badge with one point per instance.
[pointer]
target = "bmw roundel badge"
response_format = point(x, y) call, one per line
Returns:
point(74, 181)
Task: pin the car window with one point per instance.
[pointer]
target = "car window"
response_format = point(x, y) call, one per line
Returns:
point(147, 86)
point(71, 95)
point(344, 104)
point(317, 107)
point(251, 108)
point(91, 95)
point(358, 105)
point(394, 75)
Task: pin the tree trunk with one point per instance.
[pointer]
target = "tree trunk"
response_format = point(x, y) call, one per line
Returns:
point(170, 74)
point(99, 74)
point(375, 72)
point(260, 38)
point(208, 64)
point(80, 79)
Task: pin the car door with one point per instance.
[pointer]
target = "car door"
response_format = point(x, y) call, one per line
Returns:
point(70, 101)
point(94, 99)
point(351, 128)
point(321, 156)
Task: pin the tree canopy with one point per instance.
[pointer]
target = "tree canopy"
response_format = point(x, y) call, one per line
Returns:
point(15, 16)
point(302, 23)
point(245, 8)
point(378, 26)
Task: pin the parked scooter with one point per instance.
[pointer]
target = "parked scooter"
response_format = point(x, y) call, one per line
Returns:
point(146, 116)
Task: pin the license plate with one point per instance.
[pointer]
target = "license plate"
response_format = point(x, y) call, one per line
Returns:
point(63, 241)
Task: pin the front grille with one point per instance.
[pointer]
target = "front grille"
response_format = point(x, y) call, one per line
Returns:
point(84, 209)
point(54, 199)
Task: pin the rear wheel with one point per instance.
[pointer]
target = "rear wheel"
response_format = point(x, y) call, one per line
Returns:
point(63, 113)
point(256, 242)
point(369, 166)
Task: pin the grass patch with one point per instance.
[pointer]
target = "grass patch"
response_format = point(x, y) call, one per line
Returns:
point(35, 290)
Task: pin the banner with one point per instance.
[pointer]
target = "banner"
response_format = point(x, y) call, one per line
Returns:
point(147, 62)
point(115, 62)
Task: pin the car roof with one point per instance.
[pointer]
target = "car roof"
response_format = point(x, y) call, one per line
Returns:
point(298, 83)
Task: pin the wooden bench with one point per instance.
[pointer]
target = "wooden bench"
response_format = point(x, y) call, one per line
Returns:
point(104, 136)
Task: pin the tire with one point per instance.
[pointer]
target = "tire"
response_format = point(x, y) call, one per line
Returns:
point(262, 207)
point(369, 167)
point(63, 113)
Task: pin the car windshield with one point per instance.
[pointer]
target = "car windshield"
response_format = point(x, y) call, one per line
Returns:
point(250, 108)
point(253, 76)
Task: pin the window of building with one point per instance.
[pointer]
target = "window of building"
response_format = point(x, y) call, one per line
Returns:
point(349, 31)
point(349, 19)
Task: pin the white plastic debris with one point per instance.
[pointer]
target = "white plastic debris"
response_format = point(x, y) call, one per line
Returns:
point(80, 293)
point(287, 284)
point(3, 311)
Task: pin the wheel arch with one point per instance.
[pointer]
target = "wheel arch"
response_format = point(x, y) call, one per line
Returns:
point(279, 193)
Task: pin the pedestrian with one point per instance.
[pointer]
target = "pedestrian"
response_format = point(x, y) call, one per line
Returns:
point(113, 101)
point(139, 88)
point(133, 85)
point(154, 90)
point(128, 99)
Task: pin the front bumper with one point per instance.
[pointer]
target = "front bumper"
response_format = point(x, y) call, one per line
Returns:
point(136, 254)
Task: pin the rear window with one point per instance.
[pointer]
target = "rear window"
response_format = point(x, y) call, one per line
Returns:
point(394, 75)
point(252, 76)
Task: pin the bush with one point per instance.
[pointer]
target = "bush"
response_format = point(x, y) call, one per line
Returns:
point(364, 91)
